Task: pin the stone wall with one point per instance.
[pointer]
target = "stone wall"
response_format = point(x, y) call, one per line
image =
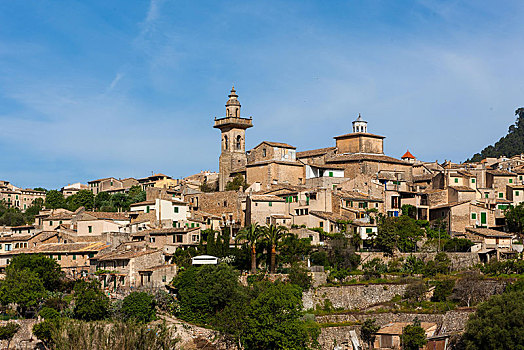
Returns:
point(459, 261)
point(352, 297)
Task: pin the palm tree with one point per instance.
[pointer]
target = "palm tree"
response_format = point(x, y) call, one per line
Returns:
point(252, 235)
point(274, 234)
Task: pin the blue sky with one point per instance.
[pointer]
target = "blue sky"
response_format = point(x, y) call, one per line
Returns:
point(90, 89)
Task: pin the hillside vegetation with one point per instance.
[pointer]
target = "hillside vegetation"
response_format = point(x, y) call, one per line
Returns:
point(509, 145)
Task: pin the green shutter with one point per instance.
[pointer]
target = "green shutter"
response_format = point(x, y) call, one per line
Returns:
point(270, 204)
point(456, 180)
point(473, 216)
point(510, 181)
point(330, 174)
point(501, 195)
point(483, 218)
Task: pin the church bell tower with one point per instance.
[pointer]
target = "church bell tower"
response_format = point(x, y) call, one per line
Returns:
point(233, 140)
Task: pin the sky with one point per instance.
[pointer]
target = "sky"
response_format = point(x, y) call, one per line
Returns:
point(92, 89)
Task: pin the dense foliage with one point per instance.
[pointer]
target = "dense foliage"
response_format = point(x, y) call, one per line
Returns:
point(47, 269)
point(509, 145)
point(413, 336)
point(139, 306)
point(515, 218)
point(497, 324)
point(15, 217)
point(398, 233)
point(91, 303)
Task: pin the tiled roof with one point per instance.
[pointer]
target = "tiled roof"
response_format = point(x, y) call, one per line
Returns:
point(355, 134)
point(448, 205)
point(314, 152)
point(163, 231)
point(487, 232)
point(327, 216)
point(356, 196)
point(108, 215)
point(277, 144)
point(408, 155)
point(124, 255)
point(423, 178)
point(266, 198)
point(462, 188)
point(500, 173)
point(99, 180)
point(159, 267)
point(270, 161)
point(325, 166)
point(142, 203)
point(15, 238)
point(69, 247)
point(356, 157)
point(397, 327)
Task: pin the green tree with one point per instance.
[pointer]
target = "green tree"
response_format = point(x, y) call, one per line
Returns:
point(139, 306)
point(274, 320)
point(293, 249)
point(299, 275)
point(102, 199)
point(368, 331)
point(47, 269)
point(515, 218)
point(238, 183)
point(443, 290)
point(273, 235)
point(497, 324)
point(8, 331)
point(204, 291)
point(54, 199)
point(23, 288)
point(91, 303)
point(251, 234)
point(83, 198)
point(413, 336)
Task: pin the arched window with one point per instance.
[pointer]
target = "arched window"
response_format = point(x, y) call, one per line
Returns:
point(238, 112)
point(264, 153)
point(225, 142)
point(239, 142)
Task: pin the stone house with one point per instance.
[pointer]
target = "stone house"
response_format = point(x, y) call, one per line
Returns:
point(492, 243)
point(388, 336)
point(168, 213)
point(264, 210)
point(120, 269)
point(174, 236)
point(157, 276)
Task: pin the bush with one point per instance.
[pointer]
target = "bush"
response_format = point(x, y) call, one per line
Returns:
point(416, 291)
point(374, 269)
point(319, 258)
point(48, 313)
point(8, 331)
point(458, 245)
point(299, 275)
point(91, 303)
point(443, 290)
point(139, 306)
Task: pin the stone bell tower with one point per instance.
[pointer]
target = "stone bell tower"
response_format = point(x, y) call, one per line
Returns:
point(233, 140)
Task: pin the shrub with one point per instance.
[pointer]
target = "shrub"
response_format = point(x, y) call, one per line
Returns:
point(443, 290)
point(48, 313)
point(299, 275)
point(91, 303)
point(8, 331)
point(374, 268)
point(139, 306)
point(415, 291)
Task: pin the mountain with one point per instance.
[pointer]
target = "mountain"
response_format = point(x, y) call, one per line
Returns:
point(509, 145)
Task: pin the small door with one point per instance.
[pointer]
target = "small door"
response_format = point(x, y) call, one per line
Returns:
point(483, 218)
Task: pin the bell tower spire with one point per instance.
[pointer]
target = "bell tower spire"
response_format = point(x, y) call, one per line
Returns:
point(233, 141)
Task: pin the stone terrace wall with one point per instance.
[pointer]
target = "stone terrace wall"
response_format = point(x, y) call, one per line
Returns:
point(459, 261)
point(353, 296)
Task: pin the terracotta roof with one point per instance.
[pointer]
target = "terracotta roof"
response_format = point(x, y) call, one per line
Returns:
point(356, 157)
point(325, 166)
point(15, 238)
point(159, 267)
point(397, 327)
point(270, 161)
point(448, 205)
point(327, 216)
point(462, 188)
point(277, 144)
point(423, 178)
point(487, 232)
point(160, 231)
point(60, 216)
point(142, 203)
point(408, 155)
point(500, 173)
point(314, 152)
point(105, 178)
point(280, 216)
point(356, 196)
point(125, 255)
point(107, 215)
point(356, 134)
point(266, 198)
point(83, 247)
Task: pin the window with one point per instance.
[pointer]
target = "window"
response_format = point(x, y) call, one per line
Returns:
point(520, 177)
point(239, 142)
point(225, 142)
point(501, 195)
point(270, 204)
point(192, 225)
point(456, 180)
point(50, 223)
point(486, 195)
point(369, 230)
point(264, 152)
point(179, 238)
point(321, 224)
point(74, 256)
point(164, 278)
point(176, 209)
point(517, 193)
point(510, 181)
point(472, 181)
point(473, 216)
point(59, 256)
point(60, 222)
point(330, 174)
point(334, 187)
point(90, 229)
point(91, 255)
point(152, 239)
point(295, 199)
point(147, 209)
point(111, 183)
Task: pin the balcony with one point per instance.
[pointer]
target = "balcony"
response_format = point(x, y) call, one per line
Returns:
point(233, 122)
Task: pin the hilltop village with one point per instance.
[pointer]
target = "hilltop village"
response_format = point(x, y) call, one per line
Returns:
point(138, 234)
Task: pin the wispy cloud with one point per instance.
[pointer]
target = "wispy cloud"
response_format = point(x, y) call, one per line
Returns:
point(115, 81)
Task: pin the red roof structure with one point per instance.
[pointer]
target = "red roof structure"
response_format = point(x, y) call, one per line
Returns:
point(407, 155)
